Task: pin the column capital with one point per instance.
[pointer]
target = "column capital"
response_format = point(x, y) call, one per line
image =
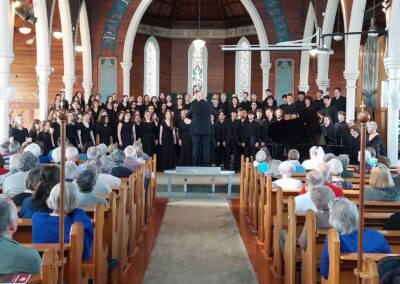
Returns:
point(126, 66)
point(391, 63)
point(87, 85)
point(68, 79)
point(265, 65)
point(304, 88)
point(351, 75)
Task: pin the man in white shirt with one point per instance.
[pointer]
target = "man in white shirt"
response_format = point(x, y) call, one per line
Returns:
point(304, 202)
point(286, 169)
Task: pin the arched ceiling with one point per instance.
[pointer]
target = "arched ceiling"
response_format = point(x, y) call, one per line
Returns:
point(185, 13)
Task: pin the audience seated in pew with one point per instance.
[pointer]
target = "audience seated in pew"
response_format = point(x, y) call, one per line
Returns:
point(13, 167)
point(261, 162)
point(19, 259)
point(72, 154)
point(323, 168)
point(286, 169)
point(86, 197)
point(336, 169)
point(56, 155)
point(36, 150)
point(3, 170)
point(131, 161)
point(381, 185)
point(15, 183)
point(344, 218)
point(327, 157)
point(293, 157)
point(48, 178)
point(31, 181)
point(120, 170)
point(316, 155)
point(102, 150)
point(93, 153)
point(71, 171)
point(107, 163)
point(303, 202)
point(369, 163)
point(273, 169)
point(140, 154)
point(101, 187)
point(45, 225)
point(345, 160)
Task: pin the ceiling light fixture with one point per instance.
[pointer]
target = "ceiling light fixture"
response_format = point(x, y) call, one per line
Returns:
point(58, 35)
point(79, 48)
point(338, 37)
point(25, 30)
point(199, 43)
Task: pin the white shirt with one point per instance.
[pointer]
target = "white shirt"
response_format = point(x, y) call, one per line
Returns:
point(303, 203)
point(288, 183)
point(110, 179)
point(310, 164)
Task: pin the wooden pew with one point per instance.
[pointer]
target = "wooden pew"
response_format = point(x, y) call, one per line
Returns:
point(48, 272)
point(241, 183)
point(261, 208)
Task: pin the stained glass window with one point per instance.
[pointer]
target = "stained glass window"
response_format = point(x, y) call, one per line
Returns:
point(151, 67)
point(197, 68)
point(243, 69)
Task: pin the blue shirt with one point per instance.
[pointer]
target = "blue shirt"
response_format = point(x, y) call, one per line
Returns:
point(45, 229)
point(44, 159)
point(27, 210)
point(373, 242)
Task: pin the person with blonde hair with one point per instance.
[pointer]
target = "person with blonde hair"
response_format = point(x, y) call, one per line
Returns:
point(381, 185)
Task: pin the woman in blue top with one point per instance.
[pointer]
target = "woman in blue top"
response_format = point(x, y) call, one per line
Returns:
point(344, 218)
point(45, 225)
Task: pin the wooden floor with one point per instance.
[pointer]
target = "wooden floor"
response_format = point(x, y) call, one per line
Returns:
point(260, 264)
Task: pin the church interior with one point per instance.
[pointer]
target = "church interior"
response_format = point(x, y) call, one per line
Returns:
point(112, 171)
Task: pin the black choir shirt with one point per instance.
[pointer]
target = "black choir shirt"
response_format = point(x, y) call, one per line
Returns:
point(339, 103)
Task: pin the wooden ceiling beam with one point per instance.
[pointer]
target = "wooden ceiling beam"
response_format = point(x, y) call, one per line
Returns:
point(174, 10)
point(222, 11)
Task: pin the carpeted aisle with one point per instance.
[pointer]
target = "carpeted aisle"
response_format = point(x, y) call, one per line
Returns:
point(199, 243)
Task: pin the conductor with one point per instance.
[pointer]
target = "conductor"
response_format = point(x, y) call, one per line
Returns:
point(200, 112)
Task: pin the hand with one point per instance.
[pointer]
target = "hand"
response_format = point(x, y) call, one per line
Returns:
point(180, 142)
point(243, 144)
point(160, 142)
point(29, 139)
point(120, 144)
point(256, 145)
point(51, 130)
point(224, 144)
point(218, 144)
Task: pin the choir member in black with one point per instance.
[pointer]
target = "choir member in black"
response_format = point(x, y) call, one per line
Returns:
point(125, 131)
point(338, 100)
point(89, 104)
point(254, 100)
point(234, 104)
point(57, 103)
point(284, 101)
point(188, 101)
point(161, 100)
point(56, 125)
point(64, 104)
point(146, 99)
point(177, 111)
point(259, 117)
point(220, 138)
point(245, 103)
point(269, 119)
point(243, 125)
point(124, 105)
point(308, 102)
point(253, 107)
point(85, 132)
point(137, 127)
point(19, 132)
point(374, 139)
point(320, 117)
point(79, 95)
point(270, 103)
point(104, 132)
point(169, 103)
point(95, 110)
point(133, 109)
point(290, 107)
point(354, 144)
point(215, 105)
point(167, 140)
point(342, 131)
point(268, 93)
point(75, 107)
point(300, 103)
point(318, 103)
point(212, 142)
point(279, 114)
point(46, 136)
point(109, 104)
point(232, 142)
point(148, 134)
point(98, 98)
point(185, 141)
point(251, 136)
point(72, 130)
point(154, 102)
point(329, 109)
point(224, 104)
point(161, 111)
point(35, 128)
point(328, 130)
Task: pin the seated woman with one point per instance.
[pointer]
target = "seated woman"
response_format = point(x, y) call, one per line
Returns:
point(261, 162)
point(120, 170)
point(31, 181)
point(48, 178)
point(316, 155)
point(344, 218)
point(45, 225)
point(336, 169)
point(381, 185)
point(86, 197)
point(286, 169)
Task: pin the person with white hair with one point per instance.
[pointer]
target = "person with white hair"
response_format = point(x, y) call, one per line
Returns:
point(101, 186)
point(71, 171)
point(336, 169)
point(56, 155)
point(345, 160)
point(328, 157)
point(316, 155)
point(303, 202)
point(139, 150)
point(34, 149)
point(294, 157)
point(131, 161)
point(286, 169)
point(119, 170)
point(374, 139)
point(344, 218)
point(273, 169)
point(72, 154)
point(20, 259)
point(93, 153)
point(45, 225)
point(107, 164)
point(13, 167)
point(13, 147)
point(369, 163)
point(86, 196)
point(261, 161)
point(102, 150)
point(15, 184)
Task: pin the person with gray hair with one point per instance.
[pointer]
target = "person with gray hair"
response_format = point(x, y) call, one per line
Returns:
point(20, 259)
point(328, 157)
point(294, 157)
point(101, 186)
point(131, 161)
point(344, 218)
point(139, 150)
point(86, 197)
point(106, 167)
point(119, 170)
point(93, 153)
point(102, 150)
point(286, 169)
point(56, 155)
point(71, 171)
point(261, 161)
point(14, 147)
point(273, 169)
point(15, 183)
point(303, 201)
point(14, 167)
point(45, 225)
point(345, 160)
point(71, 154)
point(336, 169)
point(316, 155)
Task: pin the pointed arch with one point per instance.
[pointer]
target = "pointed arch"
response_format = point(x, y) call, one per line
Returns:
point(243, 68)
point(151, 82)
point(197, 69)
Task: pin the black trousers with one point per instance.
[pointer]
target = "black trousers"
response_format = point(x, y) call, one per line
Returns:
point(232, 148)
point(201, 149)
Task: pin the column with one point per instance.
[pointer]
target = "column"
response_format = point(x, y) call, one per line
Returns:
point(351, 85)
point(69, 87)
point(265, 66)
point(43, 73)
point(87, 87)
point(126, 69)
point(322, 80)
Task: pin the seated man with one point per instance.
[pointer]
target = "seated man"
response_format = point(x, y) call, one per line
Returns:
point(86, 197)
point(286, 169)
point(18, 259)
point(119, 170)
point(293, 157)
point(37, 151)
point(303, 202)
point(107, 164)
point(13, 167)
point(101, 186)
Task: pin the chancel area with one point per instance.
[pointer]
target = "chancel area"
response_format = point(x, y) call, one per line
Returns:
point(199, 141)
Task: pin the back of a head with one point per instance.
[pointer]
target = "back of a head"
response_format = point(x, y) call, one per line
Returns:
point(14, 161)
point(381, 177)
point(345, 160)
point(293, 155)
point(138, 147)
point(49, 177)
point(118, 156)
point(313, 179)
point(372, 151)
point(335, 167)
point(56, 155)
point(8, 214)
point(343, 216)
point(71, 153)
point(274, 168)
point(367, 156)
point(94, 165)
point(86, 180)
point(93, 153)
point(130, 152)
point(324, 169)
point(14, 147)
point(102, 150)
point(34, 149)
point(32, 179)
point(286, 169)
point(70, 198)
point(321, 196)
point(261, 156)
point(71, 170)
point(28, 162)
point(107, 163)
point(313, 152)
point(328, 157)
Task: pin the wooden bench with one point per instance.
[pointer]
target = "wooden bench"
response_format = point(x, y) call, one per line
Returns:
point(48, 271)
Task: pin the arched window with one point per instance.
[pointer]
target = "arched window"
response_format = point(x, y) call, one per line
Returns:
point(243, 69)
point(197, 69)
point(151, 85)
